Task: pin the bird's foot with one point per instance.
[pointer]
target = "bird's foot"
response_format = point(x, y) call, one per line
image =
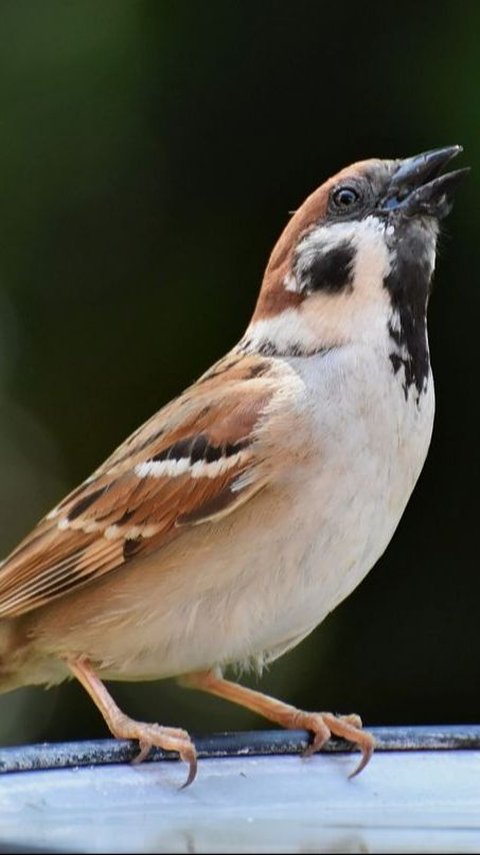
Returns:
point(349, 727)
point(322, 725)
point(155, 736)
point(124, 727)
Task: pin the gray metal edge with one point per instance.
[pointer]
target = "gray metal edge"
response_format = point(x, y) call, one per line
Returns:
point(25, 758)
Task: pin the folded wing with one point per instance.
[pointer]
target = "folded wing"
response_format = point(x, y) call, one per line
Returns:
point(196, 460)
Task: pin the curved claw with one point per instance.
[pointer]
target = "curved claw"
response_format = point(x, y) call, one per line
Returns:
point(347, 727)
point(321, 735)
point(190, 757)
point(367, 750)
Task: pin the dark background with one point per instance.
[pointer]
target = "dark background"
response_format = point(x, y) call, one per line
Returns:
point(149, 155)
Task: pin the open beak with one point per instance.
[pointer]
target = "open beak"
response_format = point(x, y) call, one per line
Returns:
point(417, 187)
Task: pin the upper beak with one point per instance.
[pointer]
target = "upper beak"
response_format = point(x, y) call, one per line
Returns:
point(417, 187)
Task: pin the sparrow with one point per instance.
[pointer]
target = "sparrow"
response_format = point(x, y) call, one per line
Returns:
point(227, 527)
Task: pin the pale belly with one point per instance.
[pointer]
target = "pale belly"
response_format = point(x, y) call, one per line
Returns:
point(251, 586)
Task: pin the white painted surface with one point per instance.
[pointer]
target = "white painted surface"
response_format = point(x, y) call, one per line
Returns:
point(403, 802)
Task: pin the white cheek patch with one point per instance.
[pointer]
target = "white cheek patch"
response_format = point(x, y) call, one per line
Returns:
point(371, 258)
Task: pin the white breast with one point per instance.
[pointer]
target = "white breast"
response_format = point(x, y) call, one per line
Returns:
point(372, 443)
point(252, 585)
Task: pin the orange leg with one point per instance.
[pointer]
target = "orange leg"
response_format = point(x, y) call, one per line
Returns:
point(321, 724)
point(123, 727)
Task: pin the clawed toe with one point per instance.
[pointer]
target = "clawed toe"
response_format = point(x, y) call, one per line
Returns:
point(348, 727)
point(321, 725)
point(145, 748)
point(167, 738)
point(320, 730)
point(352, 719)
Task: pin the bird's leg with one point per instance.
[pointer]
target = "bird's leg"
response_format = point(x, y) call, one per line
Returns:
point(322, 725)
point(123, 727)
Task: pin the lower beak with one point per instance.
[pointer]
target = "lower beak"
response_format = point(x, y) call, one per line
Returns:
point(417, 187)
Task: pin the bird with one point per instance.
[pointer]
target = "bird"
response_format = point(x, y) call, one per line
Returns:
point(229, 525)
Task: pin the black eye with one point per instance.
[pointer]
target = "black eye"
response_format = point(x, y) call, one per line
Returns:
point(345, 197)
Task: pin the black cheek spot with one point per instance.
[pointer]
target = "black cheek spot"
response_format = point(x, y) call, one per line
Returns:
point(331, 271)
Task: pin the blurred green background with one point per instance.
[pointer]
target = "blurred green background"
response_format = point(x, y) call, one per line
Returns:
point(150, 152)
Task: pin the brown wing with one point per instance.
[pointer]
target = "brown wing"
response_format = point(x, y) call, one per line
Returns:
point(195, 460)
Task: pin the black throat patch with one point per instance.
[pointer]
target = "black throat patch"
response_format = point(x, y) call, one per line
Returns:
point(408, 284)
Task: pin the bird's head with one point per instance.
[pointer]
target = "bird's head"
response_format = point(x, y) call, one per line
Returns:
point(356, 259)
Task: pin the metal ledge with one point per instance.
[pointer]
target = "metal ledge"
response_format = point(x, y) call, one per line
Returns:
point(420, 793)
point(102, 752)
